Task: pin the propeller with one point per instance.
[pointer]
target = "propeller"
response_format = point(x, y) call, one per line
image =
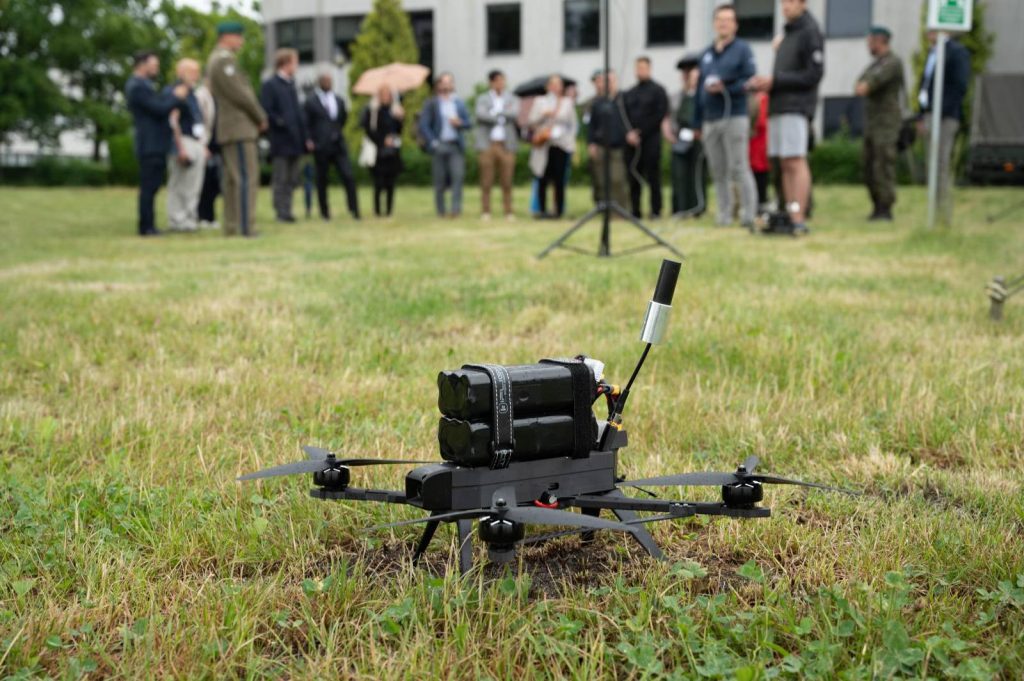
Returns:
point(744, 474)
point(320, 460)
point(504, 507)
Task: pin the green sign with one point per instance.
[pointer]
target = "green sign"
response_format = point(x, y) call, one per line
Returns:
point(950, 15)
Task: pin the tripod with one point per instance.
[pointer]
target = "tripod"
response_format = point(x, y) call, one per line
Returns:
point(605, 207)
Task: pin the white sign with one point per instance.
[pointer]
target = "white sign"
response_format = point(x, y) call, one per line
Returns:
point(950, 15)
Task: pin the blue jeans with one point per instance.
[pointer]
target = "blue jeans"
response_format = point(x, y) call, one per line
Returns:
point(448, 168)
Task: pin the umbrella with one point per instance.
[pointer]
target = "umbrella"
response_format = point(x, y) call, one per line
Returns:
point(397, 76)
point(536, 87)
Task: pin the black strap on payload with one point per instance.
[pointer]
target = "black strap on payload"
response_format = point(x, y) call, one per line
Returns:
point(503, 440)
point(582, 401)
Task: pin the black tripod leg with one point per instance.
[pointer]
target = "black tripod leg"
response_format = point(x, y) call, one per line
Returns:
point(633, 220)
point(465, 545)
point(572, 230)
point(428, 534)
point(588, 537)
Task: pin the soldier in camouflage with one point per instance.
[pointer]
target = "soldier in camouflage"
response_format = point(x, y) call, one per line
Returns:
point(240, 120)
point(881, 86)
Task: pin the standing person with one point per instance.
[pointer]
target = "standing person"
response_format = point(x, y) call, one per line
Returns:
point(954, 87)
point(496, 143)
point(606, 135)
point(442, 123)
point(240, 120)
point(646, 107)
point(759, 166)
point(206, 209)
point(289, 140)
point(553, 121)
point(721, 115)
point(793, 98)
point(326, 115)
point(881, 85)
point(684, 137)
point(150, 111)
point(382, 122)
point(186, 162)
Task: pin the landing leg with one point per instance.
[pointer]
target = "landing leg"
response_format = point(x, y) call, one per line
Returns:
point(428, 534)
point(642, 535)
point(465, 545)
point(588, 537)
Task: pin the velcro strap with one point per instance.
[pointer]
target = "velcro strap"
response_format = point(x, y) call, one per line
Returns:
point(582, 400)
point(503, 441)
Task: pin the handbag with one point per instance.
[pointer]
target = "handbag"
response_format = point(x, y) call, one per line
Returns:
point(541, 137)
point(367, 153)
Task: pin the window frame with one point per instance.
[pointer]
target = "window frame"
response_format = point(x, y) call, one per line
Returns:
point(749, 38)
point(647, 26)
point(345, 52)
point(296, 23)
point(582, 48)
point(518, 6)
point(829, 33)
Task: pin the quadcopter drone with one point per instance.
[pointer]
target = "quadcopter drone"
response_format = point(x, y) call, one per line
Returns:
point(521, 445)
point(999, 291)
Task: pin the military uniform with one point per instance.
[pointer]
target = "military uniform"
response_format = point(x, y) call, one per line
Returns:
point(883, 118)
point(239, 119)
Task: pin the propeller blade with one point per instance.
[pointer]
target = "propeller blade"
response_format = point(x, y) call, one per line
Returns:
point(548, 516)
point(440, 517)
point(774, 479)
point(684, 479)
point(316, 453)
point(374, 462)
point(751, 463)
point(287, 469)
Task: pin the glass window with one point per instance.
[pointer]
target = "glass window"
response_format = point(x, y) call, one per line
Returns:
point(423, 28)
point(666, 22)
point(843, 115)
point(848, 19)
point(503, 27)
point(757, 19)
point(582, 24)
point(344, 31)
point(297, 34)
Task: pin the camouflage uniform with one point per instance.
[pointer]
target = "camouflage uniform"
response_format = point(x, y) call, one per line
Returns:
point(239, 119)
point(882, 120)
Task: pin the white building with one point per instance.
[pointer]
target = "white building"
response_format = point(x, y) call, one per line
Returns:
point(527, 38)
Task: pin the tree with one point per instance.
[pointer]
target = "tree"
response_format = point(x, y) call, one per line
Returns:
point(385, 36)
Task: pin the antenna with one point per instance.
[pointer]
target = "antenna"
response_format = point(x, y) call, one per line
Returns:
point(655, 323)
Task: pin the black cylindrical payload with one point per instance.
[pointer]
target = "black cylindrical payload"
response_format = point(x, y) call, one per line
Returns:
point(492, 414)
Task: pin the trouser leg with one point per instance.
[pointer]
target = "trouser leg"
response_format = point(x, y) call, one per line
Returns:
point(280, 186)
point(151, 176)
point(554, 173)
point(507, 171)
point(738, 152)
point(439, 171)
point(868, 164)
point(344, 166)
point(632, 170)
point(389, 188)
point(322, 163)
point(718, 161)
point(883, 171)
point(248, 184)
point(486, 160)
point(211, 189)
point(232, 187)
point(652, 171)
point(457, 170)
point(597, 175)
point(175, 193)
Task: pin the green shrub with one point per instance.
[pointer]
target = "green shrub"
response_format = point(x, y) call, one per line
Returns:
point(836, 161)
point(51, 171)
point(124, 167)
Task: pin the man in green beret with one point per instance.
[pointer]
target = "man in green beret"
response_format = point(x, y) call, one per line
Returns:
point(881, 86)
point(240, 120)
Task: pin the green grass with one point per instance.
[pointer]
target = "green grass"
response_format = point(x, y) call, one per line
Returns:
point(139, 377)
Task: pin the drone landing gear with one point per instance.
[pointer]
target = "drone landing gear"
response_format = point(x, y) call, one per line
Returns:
point(465, 529)
point(628, 516)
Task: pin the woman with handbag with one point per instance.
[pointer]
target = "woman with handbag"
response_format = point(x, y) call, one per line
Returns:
point(553, 124)
point(382, 122)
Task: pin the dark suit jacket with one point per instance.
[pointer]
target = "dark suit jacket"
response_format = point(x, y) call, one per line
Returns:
point(287, 124)
point(956, 78)
point(150, 110)
point(327, 135)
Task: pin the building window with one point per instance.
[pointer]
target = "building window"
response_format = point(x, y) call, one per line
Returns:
point(344, 31)
point(503, 29)
point(843, 115)
point(757, 19)
point(666, 22)
point(848, 19)
point(298, 35)
point(423, 29)
point(582, 24)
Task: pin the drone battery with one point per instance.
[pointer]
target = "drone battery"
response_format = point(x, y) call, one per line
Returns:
point(537, 389)
point(468, 443)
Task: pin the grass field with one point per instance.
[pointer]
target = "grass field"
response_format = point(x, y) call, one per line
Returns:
point(138, 378)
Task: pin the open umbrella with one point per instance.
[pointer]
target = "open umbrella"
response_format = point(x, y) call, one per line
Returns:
point(397, 76)
point(536, 87)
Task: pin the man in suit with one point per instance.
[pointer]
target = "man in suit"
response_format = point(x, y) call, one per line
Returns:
point(288, 138)
point(442, 123)
point(325, 118)
point(496, 142)
point(646, 106)
point(150, 111)
point(956, 77)
point(240, 120)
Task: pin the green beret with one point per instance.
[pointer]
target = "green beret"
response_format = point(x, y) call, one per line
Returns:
point(230, 28)
point(880, 30)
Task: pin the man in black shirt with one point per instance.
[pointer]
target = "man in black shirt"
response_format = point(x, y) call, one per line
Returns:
point(646, 107)
point(325, 117)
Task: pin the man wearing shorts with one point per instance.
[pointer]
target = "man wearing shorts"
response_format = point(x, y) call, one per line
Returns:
point(793, 97)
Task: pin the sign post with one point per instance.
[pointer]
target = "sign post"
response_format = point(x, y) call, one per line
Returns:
point(943, 16)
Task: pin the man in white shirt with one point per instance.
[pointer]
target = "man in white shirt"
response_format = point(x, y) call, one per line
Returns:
point(496, 142)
